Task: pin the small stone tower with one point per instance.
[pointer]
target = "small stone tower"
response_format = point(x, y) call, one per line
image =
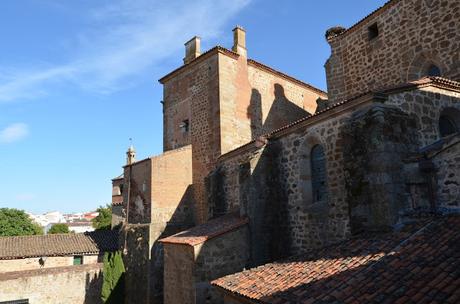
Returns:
point(130, 155)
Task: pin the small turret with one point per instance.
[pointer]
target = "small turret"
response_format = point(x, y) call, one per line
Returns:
point(130, 155)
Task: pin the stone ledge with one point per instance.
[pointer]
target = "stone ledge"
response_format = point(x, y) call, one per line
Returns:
point(7, 276)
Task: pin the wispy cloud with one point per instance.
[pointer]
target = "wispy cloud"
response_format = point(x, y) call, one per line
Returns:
point(14, 132)
point(23, 197)
point(123, 39)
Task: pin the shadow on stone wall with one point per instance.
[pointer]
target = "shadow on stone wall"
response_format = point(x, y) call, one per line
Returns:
point(282, 112)
point(144, 264)
point(263, 197)
point(93, 287)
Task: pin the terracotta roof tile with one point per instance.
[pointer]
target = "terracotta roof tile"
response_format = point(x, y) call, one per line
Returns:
point(94, 242)
point(418, 265)
point(202, 233)
point(423, 82)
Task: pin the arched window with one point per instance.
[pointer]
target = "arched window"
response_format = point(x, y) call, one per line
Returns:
point(433, 70)
point(449, 122)
point(318, 173)
point(446, 126)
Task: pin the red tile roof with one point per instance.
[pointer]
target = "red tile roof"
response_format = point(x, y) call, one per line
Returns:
point(95, 242)
point(202, 233)
point(418, 265)
point(437, 82)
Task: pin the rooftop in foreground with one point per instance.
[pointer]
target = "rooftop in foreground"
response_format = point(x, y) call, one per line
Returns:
point(420, 264)
point(209, 230)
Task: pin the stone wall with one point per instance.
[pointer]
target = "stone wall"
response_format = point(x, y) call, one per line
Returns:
point(164, 184)
point(378, 141)
point(172, 206)
point(271, 184)
point(425, 106)
point(117, 215)
point(134, 239)
point(137, 194)
point(447, 162)
point(412, 35)
point(277, 100)
point(195, 90)
point(190, 267)
point(217, 257)
point(255, 99)
point(51, 262)
point(178, 274)
point(72, 285)
point(228, 101)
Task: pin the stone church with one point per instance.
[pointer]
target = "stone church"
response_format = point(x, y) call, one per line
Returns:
point(259, 167)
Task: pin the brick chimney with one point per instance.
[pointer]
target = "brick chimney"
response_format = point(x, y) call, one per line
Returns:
point(239, 41)
point(192, 49)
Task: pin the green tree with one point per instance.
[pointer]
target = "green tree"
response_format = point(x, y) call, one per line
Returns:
point(59, 228)
point(17, 222)
point(104, 220)
point(113, 278)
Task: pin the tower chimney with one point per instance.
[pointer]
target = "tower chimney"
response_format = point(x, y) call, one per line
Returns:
point(239, 41)
point(130, 155)
point(192, 49)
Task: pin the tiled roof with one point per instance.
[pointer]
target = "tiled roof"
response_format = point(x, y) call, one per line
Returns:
point(423, 82)
point(202, 233)
point(118, 177)
point(418, 265)
point(94, 242)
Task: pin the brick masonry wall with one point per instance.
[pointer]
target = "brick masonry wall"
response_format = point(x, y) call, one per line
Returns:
point(33, 263)
point(168, 199)
point(137, 181)
point(276, 101)
point(198, 86)
point(72, 285)
point(412, 35)
point(172, 206)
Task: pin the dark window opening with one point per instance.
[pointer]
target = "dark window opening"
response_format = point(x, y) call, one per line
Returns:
point(318, 174)
point(373, 31)
point(185, 126)
point(447, 126)
point(433, 70)
point(121, 189)
point(22, 301)
point(78, 260)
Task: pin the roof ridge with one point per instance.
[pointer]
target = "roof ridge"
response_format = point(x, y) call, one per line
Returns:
point(284, 75)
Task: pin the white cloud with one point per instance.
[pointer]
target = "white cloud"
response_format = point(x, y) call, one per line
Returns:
point(14, 132)
point(25, 197)
point(124, 39)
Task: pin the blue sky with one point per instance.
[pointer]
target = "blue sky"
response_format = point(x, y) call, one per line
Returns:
point(79, 78)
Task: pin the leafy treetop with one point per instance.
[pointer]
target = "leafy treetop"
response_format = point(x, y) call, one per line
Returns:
point(59, 228)
point(104, 220)
point(15, 222)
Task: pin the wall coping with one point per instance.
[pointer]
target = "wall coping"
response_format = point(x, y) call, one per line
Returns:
point(379, 95)
point(13, 275)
